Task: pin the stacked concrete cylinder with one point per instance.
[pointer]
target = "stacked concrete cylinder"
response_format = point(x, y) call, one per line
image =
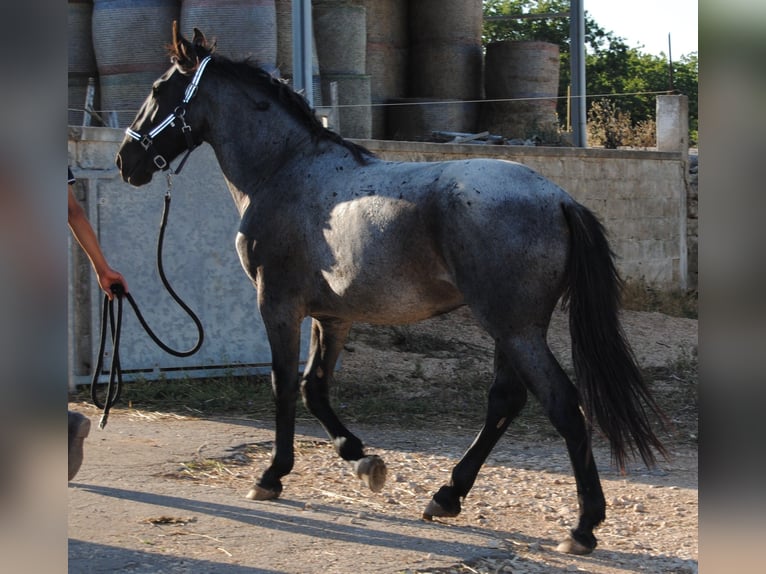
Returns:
point(526, 74)
point(81, 64)
point(387, 52)
point(284, 15)
point(130, 43)
point(241, 28)
point(285, 49)
point(445, 49)
point(340, 29)
point(445, 64)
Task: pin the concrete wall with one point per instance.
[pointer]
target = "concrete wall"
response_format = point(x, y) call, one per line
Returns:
point(199, 261)
point(640, 196)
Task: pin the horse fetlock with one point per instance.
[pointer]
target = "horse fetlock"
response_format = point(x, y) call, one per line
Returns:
point(349, 448)
point(444, 504)
point(372, 470)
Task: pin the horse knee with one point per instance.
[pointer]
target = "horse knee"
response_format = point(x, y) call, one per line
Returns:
point(314, 393)
point(285, 391)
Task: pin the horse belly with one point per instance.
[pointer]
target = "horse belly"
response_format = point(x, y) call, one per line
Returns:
point(382, 265)
point(392, 299)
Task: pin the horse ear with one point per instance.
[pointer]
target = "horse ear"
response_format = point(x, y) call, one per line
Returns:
point(178, 40)
point(177, 47)
point(182, 51)
point(199, 38)
point(201, 44)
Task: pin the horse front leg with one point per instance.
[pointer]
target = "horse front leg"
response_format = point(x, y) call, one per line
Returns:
point(284, 339)
point(327, 338)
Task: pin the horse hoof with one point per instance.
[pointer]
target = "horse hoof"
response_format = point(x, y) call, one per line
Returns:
point(260, 493)
point(571, 546)
point(436, 509)
point(372, 470)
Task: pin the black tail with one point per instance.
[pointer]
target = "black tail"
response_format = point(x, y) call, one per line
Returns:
point(612, 389)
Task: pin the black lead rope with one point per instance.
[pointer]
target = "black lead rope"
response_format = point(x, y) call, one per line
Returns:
point(114, 388)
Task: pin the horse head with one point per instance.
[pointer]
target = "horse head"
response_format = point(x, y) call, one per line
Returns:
point(162, 128)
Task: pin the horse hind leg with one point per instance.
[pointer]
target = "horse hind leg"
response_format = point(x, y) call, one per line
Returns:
point(521, 363)
point(507, 397)
point(327, 338)
point(551, 386)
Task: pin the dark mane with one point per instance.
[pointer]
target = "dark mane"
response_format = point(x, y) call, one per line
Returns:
point(296, 104)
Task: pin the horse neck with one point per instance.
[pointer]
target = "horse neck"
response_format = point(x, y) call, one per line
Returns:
point(250, 143)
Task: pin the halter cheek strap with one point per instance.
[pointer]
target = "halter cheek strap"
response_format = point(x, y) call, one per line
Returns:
point(179, 114)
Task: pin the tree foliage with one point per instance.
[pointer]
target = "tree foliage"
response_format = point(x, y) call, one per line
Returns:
point(612, 69)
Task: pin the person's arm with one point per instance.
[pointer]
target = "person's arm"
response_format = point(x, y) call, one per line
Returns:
point(85, 235)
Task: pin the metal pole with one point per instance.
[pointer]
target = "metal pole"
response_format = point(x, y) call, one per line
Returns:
point(577, 67)
point(302, 43)
point(670, 65)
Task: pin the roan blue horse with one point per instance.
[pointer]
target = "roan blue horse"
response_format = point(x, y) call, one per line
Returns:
point(330, 231)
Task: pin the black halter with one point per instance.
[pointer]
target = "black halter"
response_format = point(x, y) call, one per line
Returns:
point(178, 116)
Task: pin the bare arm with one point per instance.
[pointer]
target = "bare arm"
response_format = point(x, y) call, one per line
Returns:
point(85, 235)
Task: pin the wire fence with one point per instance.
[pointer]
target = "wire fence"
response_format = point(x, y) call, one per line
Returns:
point(418, 102)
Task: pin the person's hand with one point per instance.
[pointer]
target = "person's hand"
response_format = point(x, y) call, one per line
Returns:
point(108, 278)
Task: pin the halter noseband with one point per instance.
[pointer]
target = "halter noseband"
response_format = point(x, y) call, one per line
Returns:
point(147, 141)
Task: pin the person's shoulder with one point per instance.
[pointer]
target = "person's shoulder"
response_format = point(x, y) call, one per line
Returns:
point(71, 178)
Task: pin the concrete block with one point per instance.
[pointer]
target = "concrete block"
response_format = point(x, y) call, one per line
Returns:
point(672, 120)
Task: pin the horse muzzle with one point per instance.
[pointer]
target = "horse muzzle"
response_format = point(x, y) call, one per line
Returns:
point(132, 174)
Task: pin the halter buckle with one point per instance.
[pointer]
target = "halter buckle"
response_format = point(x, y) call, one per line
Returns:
point(146, 142)
point(160, 162)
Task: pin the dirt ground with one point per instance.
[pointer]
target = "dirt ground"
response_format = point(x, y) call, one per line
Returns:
point(162, 492)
